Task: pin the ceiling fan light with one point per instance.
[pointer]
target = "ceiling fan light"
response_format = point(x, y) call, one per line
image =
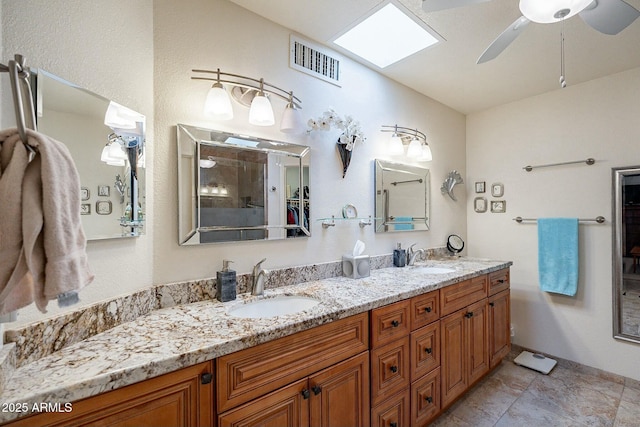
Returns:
point(549, 11)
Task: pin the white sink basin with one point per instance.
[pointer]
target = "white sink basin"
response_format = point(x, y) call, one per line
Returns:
point(271, 307)
point(433, 270)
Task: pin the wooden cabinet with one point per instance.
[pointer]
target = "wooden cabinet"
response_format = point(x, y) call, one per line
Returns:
point(393, 412)
point(465, 349)
point(389, 369)
point(181, 398)
point(499, 327)
point(336, 396)
point(390, 322)
point(425, 399)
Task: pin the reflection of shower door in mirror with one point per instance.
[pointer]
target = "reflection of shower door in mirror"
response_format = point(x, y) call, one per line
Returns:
point(626, 253)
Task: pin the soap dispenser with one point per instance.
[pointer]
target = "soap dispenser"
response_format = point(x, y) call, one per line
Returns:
point(399, 256)
point(226, 283)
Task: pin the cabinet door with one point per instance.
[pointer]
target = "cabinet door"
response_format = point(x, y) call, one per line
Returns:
point(425, 399)
point(340, 394)
point(181, 398)
point(477, 323)
point(394, 412)
point(425, 350)
point(286, 407)
point(499, 327)
point(390, 369)
point(453, 362)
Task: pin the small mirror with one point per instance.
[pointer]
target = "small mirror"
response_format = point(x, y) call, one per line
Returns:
point(626, 253)
point(402, 197)
point(109, 159)
point(237, 187)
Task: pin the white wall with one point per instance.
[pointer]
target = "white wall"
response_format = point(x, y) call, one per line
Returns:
point(598, 119)
point(106, 47)
point(214, 34)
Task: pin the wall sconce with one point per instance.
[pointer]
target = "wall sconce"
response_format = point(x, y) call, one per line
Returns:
point(417, 149)
point(252, 93)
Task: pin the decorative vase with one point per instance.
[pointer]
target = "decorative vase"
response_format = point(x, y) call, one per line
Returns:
point(345, 155)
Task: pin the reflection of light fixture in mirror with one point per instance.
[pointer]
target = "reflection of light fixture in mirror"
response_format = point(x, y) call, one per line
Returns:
point(418, 148)
point(214, 189)
point(223, 190)
point(249, 92)
point(113, 153)
point(207, 163)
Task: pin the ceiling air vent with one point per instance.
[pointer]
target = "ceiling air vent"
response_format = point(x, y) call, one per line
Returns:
point(313, 60)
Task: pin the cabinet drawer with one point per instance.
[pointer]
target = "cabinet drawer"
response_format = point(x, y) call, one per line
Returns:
point(255, 371)
point(455, 297)
point(389, 369)
point(390, 322)
point(498, 281)
point(425, 309)
point(394, 411)
point(425, 350)
point(425, 399)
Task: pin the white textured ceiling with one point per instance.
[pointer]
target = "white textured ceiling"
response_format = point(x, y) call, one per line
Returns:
point(448, 72)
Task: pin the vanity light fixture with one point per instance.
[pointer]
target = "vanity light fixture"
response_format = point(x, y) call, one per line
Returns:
point(418, 148)
point(250, 92)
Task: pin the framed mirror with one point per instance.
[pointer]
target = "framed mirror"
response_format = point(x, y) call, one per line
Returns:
point(107, 144)
point(235, 187)
point(626, 253)
point(402, 197)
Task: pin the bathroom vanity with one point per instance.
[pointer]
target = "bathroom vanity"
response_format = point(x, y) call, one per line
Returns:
point(396, 348)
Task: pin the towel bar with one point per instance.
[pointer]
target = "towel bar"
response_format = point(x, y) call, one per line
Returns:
point(598, 219)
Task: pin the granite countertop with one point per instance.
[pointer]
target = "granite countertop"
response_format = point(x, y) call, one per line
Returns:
point(172, 338)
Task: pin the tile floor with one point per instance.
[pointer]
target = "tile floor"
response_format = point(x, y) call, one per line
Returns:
point(571, 395)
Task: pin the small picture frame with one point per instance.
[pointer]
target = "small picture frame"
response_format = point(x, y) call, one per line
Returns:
point(85, 209)
point(104, 190)
point(103, 207)
point(498, 206)
point(497, 189)
point(85, 194)
point(480, 187)
point(480, 204)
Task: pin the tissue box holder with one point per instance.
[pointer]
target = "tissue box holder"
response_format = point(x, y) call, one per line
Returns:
point(356, 267)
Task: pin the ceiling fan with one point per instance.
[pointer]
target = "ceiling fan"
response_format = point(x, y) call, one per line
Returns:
point(606, 16)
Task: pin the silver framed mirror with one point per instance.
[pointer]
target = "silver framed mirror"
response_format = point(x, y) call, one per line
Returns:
point(402, 197)
point(240, 188)
point(626, 253)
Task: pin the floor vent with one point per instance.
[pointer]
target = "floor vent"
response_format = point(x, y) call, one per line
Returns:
point(313, 60)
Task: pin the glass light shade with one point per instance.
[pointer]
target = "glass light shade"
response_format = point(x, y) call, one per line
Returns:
point(207, 163)
point(218, 105)
point(291, 120)
point(425, 156)
point(107, 157)
point(261, 113)
point(118, 117)
point(544, 11)
point(395, 146)
point(415, 148)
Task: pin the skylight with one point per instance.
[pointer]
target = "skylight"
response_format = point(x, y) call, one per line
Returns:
point(387, 36)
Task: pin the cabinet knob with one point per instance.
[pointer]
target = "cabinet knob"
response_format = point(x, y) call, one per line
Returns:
point(394, 369)
point(429, 399)
point(305, 393)
point(428, 309)
point(429, 350)
point(501, 280)
point(395, 323)
point(492, 304)
point(469, 315)
point(316, 389)
point(393, 424)
point(206, 378)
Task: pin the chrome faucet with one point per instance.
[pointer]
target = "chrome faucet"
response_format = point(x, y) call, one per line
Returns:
point(258, 277)
point(412, 255)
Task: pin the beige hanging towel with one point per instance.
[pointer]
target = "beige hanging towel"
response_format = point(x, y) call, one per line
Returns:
point(40, 230)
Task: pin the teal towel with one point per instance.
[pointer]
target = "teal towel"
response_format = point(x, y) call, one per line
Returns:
point(407, 223)
point(558, 255)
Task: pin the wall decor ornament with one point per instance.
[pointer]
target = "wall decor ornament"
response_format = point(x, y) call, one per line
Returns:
point(351, 134)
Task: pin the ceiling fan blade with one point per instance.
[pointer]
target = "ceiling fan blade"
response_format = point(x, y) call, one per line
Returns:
point(504, 40)
point(435, 5)
point(609, 16)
